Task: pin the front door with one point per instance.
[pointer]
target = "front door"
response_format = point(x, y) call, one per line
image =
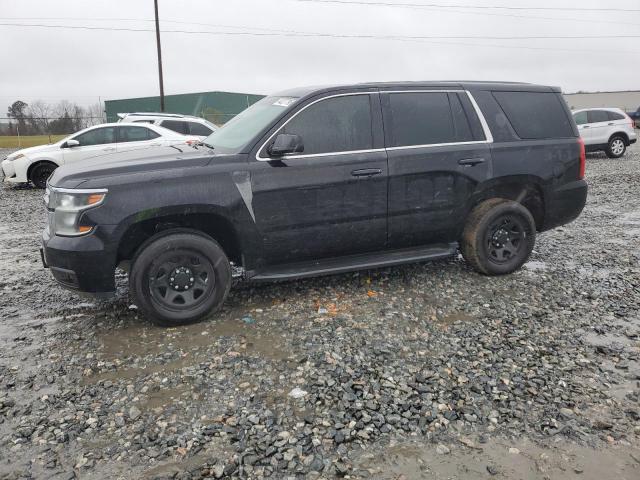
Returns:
point(331, 199)
point(97, 141)
point(437, 153)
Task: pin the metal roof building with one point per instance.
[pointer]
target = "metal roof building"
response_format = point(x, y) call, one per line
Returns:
point(626, 100)
point(217, 107)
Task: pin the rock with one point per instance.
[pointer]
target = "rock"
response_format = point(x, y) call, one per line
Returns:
point(134, 413)
point(442, 449)
point(298, 393)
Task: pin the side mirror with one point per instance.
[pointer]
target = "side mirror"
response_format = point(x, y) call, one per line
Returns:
point(70, 143)
point(286, 143)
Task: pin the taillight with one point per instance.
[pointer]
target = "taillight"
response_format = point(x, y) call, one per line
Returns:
point(583, 158)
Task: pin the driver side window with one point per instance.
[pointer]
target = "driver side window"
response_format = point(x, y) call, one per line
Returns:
point(98, 136)
point(333, 125)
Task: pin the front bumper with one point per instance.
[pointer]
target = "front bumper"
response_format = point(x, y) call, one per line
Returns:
point(85, 264)
point(8, 170)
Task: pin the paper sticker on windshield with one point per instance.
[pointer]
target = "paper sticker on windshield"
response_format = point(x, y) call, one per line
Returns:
point(284, 101)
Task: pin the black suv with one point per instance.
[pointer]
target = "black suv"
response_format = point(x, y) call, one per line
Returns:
point(315, 181)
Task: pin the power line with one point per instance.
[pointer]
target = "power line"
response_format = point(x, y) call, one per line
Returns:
point(333, 35)
point(463, 12)
point(478, 7)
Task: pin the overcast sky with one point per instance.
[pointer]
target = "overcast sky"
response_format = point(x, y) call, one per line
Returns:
point(82, 65)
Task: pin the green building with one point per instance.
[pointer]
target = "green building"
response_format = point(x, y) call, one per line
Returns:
point(217, 107)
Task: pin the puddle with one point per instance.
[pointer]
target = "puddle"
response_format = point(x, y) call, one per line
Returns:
point(454, 317)
point(146, 350)
point(535, 265)
point(560, 462)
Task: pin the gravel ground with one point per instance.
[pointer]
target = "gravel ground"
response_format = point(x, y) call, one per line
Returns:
point(419, 371)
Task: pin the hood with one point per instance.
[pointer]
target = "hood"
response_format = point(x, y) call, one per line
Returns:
point(30, 151)
point(134, 161)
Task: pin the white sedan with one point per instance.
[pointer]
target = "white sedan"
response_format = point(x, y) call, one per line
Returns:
point(36, 164)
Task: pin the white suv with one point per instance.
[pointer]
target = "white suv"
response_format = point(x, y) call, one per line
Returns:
point(605, 129)
point(184, 124)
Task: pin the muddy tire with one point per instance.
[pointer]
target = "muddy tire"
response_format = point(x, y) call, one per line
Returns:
point(41, 173)
point(498, 237)
point(179, 278)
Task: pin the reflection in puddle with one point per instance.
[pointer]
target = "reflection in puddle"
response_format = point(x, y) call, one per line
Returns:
point(143, 350)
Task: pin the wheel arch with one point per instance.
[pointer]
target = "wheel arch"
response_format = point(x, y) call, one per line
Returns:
point(211, 224)
point(524, 189)
point(38, 162)
point(622, 134)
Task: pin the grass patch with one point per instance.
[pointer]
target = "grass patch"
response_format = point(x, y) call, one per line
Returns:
point(28, 141)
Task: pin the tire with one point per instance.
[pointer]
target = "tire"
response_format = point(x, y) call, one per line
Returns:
point(41, 173)
point(488, 242)
point(616, 147)
point(179, 278)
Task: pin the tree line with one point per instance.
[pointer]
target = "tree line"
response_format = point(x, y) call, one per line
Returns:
point(41, 118)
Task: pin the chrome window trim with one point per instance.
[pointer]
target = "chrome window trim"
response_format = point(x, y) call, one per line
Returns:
point(408, 147)
point(310, 155)
point(483, 123)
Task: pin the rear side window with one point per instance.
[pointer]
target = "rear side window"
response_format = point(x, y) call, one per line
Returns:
point(421, 119)
point(176, 125)
point(338, 124)
point(581, 118)
point(135, 134)
point(199, 129)
point(535, 115)
point(596, 116)
point(615, 116)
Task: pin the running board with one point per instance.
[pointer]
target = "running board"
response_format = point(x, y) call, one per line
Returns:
point(351, 263)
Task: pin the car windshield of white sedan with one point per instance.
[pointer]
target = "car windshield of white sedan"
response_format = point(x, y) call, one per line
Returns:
point(233, 136)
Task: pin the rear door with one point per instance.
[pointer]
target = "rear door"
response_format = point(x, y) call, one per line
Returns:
point(437, 152)
point(599, 126)
point(331, 200)
point(135, 138)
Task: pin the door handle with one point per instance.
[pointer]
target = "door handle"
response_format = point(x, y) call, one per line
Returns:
point(109, 149)
point(585, 126)
point(366, 172)
point(470, 161)
point(610, 124)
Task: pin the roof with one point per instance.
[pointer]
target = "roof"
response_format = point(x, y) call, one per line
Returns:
point(461, 84)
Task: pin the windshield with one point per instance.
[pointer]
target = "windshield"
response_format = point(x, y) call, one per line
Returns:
point(233, 136)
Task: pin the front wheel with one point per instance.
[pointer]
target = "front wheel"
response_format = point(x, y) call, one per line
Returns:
point(41, 174)
point(616, 147)
point(498, 237)
point(179, 278)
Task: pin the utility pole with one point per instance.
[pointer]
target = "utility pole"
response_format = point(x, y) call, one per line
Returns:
point(155, 4)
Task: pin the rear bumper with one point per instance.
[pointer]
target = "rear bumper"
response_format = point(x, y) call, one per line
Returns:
point(84, 264)
point(565, 204)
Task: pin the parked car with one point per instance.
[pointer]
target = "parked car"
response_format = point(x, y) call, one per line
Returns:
point(318, 181)
point(36, 164)
point(184, 124)
point(635, 116)
point(605, 129)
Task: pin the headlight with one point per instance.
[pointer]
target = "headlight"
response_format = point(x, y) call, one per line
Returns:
point(65, 207)
point(11, 158)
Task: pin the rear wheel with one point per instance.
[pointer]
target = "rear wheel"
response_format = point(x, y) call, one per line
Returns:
point(180, 278)
point(498, 237)
point(41, 173)
point(616, 147)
